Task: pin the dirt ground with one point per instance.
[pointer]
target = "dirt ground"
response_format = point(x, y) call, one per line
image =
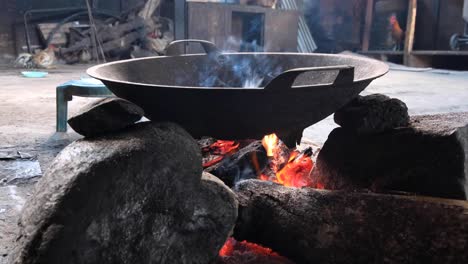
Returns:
point(27, 119)
point(27, 124)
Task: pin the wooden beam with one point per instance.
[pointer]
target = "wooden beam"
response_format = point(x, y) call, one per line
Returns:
point(368, 25)
point(410, 31)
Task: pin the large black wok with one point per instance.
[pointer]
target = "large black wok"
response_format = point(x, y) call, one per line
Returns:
point(204, 93)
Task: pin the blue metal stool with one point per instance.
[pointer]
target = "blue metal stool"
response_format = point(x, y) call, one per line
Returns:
point(85, 88)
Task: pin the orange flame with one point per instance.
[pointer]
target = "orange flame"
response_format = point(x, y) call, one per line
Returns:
point(297, 171)
point(270, 142)
point(291, 172)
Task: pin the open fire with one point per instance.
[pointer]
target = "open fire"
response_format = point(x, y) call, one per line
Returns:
point(291, 168)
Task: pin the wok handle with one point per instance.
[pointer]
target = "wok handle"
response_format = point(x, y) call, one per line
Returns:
point(173, 49)
point(286, 79)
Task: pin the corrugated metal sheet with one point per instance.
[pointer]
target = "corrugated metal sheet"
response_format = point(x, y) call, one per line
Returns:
point(305, 41)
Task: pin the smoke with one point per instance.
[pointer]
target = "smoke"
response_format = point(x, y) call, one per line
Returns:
point(243, 71)
point(247, 71)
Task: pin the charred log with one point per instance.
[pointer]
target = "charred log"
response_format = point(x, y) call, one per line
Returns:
point(247, 163)
point(313, 226)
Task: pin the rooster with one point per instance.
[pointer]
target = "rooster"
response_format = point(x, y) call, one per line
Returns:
point(398, 35)
point(45, 58)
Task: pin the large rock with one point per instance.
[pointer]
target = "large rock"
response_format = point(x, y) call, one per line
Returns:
point(104, 116)
point(430, 157)
point(374, 113)
point(132, 197)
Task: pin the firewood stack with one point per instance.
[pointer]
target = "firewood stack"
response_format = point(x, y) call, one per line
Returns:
point(139, 33)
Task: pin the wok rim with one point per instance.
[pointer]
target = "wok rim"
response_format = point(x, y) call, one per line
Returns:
point(382, 69)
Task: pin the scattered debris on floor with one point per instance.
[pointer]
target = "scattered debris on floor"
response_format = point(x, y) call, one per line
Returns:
point(17, 166)
point(139, 32)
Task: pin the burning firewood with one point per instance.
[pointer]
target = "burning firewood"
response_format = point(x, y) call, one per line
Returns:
point(246, 163)
point(269, 160)
point(289, 168)
point(296, 173)
point(313, 226)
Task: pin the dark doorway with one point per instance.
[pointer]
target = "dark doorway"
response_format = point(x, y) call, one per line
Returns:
point(249, 28)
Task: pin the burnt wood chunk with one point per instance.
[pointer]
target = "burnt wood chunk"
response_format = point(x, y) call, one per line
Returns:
point(430, 157)
point(104, 116)
point(374, 113)
point(247, 163)
point(136, 196)
point(317, 226)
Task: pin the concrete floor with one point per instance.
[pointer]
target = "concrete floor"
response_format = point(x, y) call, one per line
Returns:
point(27, 118)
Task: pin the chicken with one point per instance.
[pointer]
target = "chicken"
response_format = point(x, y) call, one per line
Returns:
point(397, 34)
point(45, 58)
point(24, 60)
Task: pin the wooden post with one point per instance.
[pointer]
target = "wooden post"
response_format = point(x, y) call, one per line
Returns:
point(368, 25)
point(410, 32)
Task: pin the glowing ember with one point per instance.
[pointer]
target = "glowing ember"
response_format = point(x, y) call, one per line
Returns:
point(297, 171)
point(223, 147)
point(286, 167)
point(214, 160)
point(319, 186)
point(246, 252)
point(218, 151)
point(231, 245)
point(270, 143)
point(263, 177)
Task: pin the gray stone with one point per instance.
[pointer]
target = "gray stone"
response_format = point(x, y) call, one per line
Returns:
point(374, 113)
point(430, 157)
point(131, 197)
point(104, 116)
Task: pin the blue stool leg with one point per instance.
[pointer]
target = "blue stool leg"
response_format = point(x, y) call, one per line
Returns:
point(62, 98)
